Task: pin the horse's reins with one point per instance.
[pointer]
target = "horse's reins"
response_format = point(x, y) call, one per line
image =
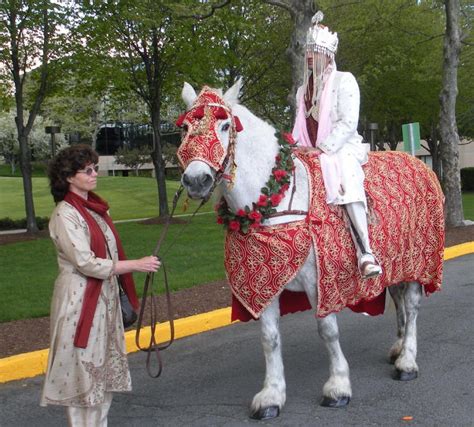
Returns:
point(148, 285)
point(148, 291)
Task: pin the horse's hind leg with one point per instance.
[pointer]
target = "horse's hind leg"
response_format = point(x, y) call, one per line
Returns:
point(396, 292)
point(405, 365)
point(267, 403)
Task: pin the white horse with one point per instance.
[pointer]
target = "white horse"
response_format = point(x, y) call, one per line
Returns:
point(254, 151)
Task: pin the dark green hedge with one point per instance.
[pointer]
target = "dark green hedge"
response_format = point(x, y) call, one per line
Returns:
point(15, 224)
point(467, 179)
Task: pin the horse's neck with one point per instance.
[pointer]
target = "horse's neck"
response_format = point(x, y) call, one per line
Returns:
point(255, 151)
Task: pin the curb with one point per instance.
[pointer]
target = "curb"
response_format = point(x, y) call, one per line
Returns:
point(28, 365)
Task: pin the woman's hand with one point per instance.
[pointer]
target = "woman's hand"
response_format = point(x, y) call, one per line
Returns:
point(148, 264)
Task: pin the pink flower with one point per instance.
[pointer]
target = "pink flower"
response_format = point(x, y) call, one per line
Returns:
point(284, 188)
point(276, 199)
point(241, 212)
point(255, 215)
point(255, 225)
point(234, 225)
point(220, 220)
point(289, 138)
point(279, 174)
point(262, 200)
point(277, 158)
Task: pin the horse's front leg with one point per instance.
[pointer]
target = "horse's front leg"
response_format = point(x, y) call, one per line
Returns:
point(406, 368)
point(267, 403)
point(337, 391)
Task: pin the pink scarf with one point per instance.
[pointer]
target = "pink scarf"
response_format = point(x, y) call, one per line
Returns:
point(329, 163)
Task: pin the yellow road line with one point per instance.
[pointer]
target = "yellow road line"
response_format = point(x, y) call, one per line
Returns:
point(29, 365)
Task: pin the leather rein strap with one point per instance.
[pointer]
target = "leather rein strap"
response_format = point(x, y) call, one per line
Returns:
point(153, 347)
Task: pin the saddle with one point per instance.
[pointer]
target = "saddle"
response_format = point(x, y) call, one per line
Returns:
point(406, 228)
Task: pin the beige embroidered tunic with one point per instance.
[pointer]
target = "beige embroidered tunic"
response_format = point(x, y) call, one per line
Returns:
point(77, 376)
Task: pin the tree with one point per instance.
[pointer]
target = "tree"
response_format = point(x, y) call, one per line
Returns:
point(29, 38)
point(140, 46)
point(301, 12)
point(242, 41)
point(448, 126)
point(133, 158)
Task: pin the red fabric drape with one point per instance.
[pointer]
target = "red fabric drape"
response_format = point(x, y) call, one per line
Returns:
point(98, 246)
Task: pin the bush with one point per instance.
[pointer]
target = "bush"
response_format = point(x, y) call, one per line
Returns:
point(15, 224)
point(467, 179)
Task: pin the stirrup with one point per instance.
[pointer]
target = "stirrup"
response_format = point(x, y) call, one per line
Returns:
point(369, 268)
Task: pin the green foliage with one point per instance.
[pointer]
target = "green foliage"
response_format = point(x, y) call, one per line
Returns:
point(133, 158)
point(394, 48)
point(467, 179)
point(10, 224)
point(38, 169)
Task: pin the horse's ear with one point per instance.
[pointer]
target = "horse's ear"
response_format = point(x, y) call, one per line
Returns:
point(232, 95)
point(188, 94)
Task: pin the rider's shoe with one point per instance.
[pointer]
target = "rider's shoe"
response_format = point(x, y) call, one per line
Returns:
point(369, 267)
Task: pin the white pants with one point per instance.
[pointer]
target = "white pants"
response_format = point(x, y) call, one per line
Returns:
point(358, 217)
point(92, 416)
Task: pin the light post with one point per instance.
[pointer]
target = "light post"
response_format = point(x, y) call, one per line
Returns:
point(53, 130)
point(373, 128)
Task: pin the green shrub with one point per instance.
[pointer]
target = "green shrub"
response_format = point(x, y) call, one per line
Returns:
point(10, 224)
point(467, 179)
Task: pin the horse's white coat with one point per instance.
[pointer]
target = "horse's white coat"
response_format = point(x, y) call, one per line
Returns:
point(255, 152)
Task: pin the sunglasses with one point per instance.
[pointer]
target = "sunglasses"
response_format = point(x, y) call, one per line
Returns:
point(88, 171)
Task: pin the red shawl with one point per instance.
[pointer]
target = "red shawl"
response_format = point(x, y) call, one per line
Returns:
point(99, 247)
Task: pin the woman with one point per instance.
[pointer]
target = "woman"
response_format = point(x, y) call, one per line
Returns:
point(327, 118)
point(87, 357)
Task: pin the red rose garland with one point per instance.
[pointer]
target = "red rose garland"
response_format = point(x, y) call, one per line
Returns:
point(272, 194)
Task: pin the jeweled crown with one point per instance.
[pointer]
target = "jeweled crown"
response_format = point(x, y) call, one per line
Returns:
point(319, 38)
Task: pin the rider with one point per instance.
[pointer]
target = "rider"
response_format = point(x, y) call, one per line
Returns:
point(327, 117)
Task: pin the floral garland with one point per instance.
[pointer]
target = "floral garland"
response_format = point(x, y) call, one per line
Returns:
point(272, 194)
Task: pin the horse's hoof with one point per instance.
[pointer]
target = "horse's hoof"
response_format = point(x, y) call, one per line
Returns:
point(329, 402)
point(266, 413)
point(404, 376)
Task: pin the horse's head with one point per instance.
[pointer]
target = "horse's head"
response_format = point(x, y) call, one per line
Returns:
point(209, 134)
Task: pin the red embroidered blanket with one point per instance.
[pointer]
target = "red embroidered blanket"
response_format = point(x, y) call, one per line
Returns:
point(406, 231)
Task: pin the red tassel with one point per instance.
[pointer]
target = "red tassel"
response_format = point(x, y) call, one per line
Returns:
point(199, 112)
point(180, 120)
point(238, 125)
point(220, 114)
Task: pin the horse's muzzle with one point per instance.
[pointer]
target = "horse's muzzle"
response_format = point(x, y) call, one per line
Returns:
point(197, 186)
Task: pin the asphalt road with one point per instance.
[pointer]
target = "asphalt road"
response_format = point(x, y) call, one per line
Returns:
point(210, 379)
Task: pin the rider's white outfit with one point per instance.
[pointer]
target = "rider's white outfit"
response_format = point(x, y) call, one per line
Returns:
point(327, 118)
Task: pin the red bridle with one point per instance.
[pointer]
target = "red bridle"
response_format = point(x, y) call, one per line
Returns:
point(201, 141)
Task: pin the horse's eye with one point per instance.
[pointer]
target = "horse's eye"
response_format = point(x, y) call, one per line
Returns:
point(225, 127)
point(184, 129)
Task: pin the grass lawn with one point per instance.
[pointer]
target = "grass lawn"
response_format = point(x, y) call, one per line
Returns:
point(196, 257)
point(468, 205)
point(129, 197)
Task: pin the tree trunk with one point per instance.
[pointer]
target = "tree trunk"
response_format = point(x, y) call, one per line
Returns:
point(304, 11)
point(449, 147)
point(25, 166)
point(301, 12)
point(159, 163)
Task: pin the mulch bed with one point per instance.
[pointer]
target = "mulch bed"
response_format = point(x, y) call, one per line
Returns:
point(33, 334)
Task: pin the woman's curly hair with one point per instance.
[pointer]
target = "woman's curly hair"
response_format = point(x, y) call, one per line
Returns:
point(66, 164)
